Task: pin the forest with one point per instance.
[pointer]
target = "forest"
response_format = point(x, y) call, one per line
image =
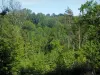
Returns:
point(44, 44)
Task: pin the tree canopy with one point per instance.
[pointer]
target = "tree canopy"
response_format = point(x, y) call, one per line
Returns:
point(39, 44)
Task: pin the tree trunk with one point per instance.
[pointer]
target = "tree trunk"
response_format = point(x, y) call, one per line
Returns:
point(89, 73)
point(79, 37)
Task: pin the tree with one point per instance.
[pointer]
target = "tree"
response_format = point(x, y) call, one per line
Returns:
point(4, 12)
point(68, 25)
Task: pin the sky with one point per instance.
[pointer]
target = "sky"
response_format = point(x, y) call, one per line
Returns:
point(52, 6)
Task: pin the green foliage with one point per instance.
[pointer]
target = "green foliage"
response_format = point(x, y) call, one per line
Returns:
point(36, 44)
point(68, 58)
point(92, 53)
